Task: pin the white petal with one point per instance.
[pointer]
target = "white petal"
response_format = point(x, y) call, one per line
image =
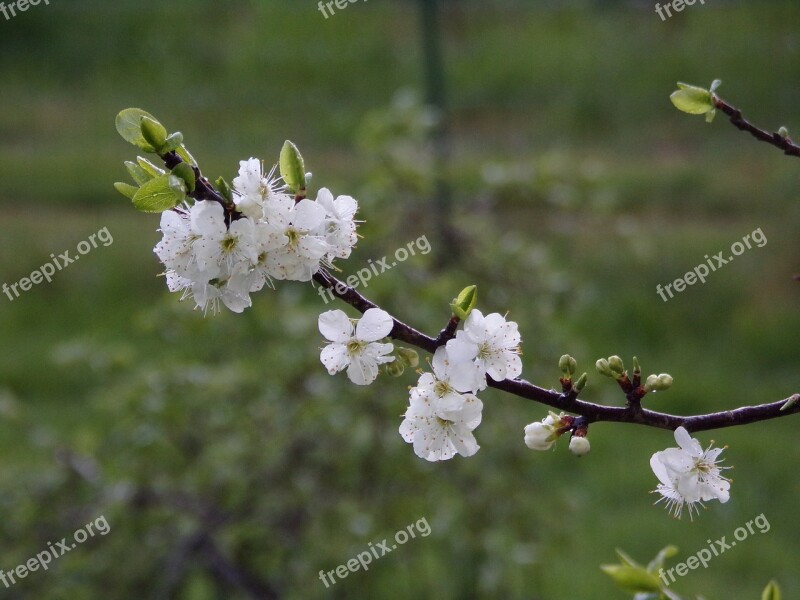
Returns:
point(461, 349)
point(335, 326)
point(345, 207)
point(307, 215)
point(687, 442)
point(207, 218)
point(374, 325)
point(362, 370)
point(334, 357)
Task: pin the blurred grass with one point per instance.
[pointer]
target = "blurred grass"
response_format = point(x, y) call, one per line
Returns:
point(600, 190)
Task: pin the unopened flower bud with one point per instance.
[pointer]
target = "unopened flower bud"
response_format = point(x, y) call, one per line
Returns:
point(664, 381)
point(603, 367)
point(579, 446)
point(616, 365)
point(637, 368)
point(540, 436)
point(395, 368)
point(658, 383)
point(568, 365)
point(408, 356)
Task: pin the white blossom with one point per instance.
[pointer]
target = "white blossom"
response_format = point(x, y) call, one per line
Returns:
point(689, 475)
point(491, 342)
point(339, 227)
point(355, 346)
point(436, 431)
point(251, 188)
point(293, 248)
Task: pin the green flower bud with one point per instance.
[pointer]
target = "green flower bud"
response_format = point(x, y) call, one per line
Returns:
point(658, 383)
point(395, 368)
point(664, 381)
point(465, 302)
point(408, 357)
point(568, 365)
point(616, 365)
point(783, 132)
point(650, 382)
point(603, 367)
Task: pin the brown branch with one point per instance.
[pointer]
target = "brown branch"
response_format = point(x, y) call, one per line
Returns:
point(774, 138)
point(568, 401)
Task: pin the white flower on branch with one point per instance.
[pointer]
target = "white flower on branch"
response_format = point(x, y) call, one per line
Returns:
point(289, 237)
point(355, 346)
point(491, 342)
point(217, 243)
point(542, 435)
point(339, 228)
point(252, 188)
point(689, 475)
point(439, 421)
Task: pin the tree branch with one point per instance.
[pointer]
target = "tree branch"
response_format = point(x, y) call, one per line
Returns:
point(568, 401)
point(776, 139)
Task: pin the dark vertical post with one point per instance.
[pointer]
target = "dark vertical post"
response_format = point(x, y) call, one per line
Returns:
point(436, 96)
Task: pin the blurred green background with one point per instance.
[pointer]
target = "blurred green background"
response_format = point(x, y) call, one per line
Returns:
point(228, 464)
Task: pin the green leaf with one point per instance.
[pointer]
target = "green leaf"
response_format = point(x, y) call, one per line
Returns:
point(771, 592)
point(634, 580)
point(465, 302)
point(691, 99)
point(658, 562)
point(293, 168)
point(627, 560)
point(184, 153)
point(137, 173)
point(224, 188)
point(150, 168)
point(173, 142)
point(160, 194)
point(129, 126)
point(185, 172)
point(126, 189)
point(153, 132)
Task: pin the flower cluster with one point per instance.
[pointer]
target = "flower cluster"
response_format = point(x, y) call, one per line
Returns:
point(272, 236)
point(443, 409)
point(689, 475)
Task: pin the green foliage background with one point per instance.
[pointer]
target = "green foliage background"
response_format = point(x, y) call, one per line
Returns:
point(578, 188)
